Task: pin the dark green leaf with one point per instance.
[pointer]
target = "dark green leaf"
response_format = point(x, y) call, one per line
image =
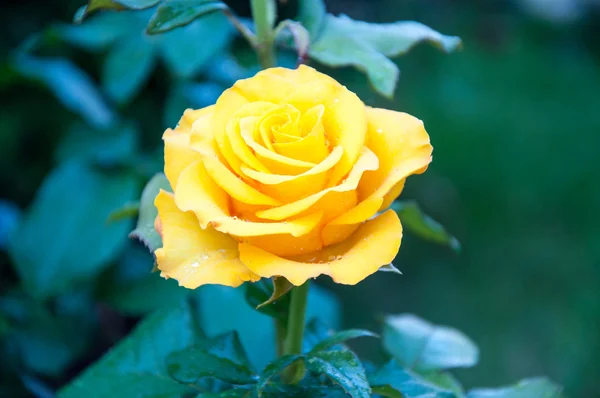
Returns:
point(311, 14)
point(239, 392)
point(10, 215)
point(214, 32)
point(139, 359)
point(172, 14)
point(340, 337)
point(418, 344)
point(390, 268)
point(423, 226)
point(127, 67)
point(269, 296)
point(71, 86)
point(193, 363)
point(393, 381)
point(116, 5)
point(273, 369)
point(105, 147)
point(539, 387)
point(144, 231)
point(367, 46)
point(44, 340)
point(227, 345)
point(133, 290)
point(64, 237)
point(343, 368)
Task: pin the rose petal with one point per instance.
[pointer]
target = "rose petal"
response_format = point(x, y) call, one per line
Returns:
point(288, 188)
point(194, 256)
point(200, 194)
point(333, 201)
point(373, 245)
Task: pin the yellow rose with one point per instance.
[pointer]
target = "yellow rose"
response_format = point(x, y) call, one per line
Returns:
point(283, 177)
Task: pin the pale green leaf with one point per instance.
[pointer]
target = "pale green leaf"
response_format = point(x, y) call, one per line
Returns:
point(117, 5)
point(539, 387)
point(417, 344)
point(145, 231)
point(312, 14)
point(367, 46)
point(172, 14)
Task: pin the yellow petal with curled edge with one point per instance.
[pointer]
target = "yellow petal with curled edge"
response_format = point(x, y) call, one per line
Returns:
point(275, 162)
point(288, 188)
point(191, 115)
point(200, 194)
point(367, 161)
point(372, 246)
point(311, 147)
point(249, 112)
point(178, 155)
point(195, 256)
point(231, 183)
point(344, 119)
point(400, 141)
point(228, 103)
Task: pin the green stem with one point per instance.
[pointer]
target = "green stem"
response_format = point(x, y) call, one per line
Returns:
point(295, 332)
point(263, 13)
point(279, 336)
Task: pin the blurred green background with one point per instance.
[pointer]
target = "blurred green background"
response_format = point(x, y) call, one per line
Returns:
point(515, 125)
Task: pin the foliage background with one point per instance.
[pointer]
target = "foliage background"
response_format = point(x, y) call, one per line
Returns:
point(514, 122)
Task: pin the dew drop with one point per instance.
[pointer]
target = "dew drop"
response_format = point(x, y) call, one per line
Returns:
point(380, 130)
point(195, 264)
point(339, 257)
point(331, 258)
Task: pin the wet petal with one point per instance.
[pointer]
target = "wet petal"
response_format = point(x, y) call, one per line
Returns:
point(195, 256)
point(373, 245)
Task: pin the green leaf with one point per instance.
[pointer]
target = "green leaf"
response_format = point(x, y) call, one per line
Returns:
point(137, 363)
point(70, 85)
point(273, 369)
point(418, 344)
point(64, 238)
point(117, 5)
point(343, 368)
point(269, 296)
point(227, 345)
point(445, 381)
point(133, 290)
point(539, 387)
point(312, 14)
point(144, 231)
point(46, 340)
point(214, 32)
point(393, 381)
point(423, 226)
point(172, 14)
point(189, 95)
point(340, 337)
point(193, 363)
point(127, 67)
point(111, 147)
point(97, 33)
point(367, 46)
point(10, 216)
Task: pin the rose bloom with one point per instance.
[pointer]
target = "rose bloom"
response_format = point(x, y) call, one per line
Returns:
point(286, 175)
